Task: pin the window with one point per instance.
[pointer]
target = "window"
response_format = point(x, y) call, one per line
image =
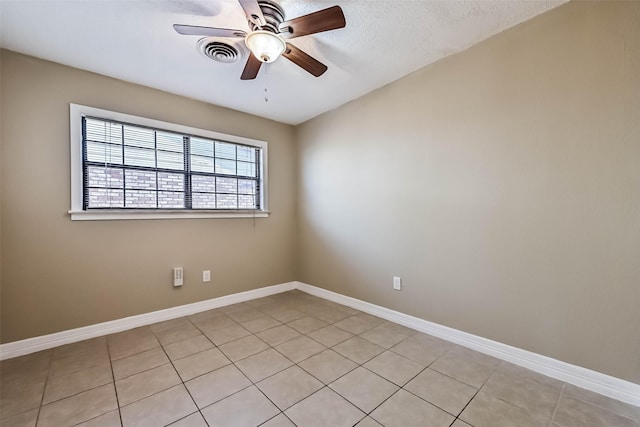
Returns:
point(128, 167)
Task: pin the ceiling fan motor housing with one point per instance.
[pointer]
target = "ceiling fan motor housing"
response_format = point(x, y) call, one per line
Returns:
point(273, 15)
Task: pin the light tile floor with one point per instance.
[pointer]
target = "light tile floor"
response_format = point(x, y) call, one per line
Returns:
point(285, 360)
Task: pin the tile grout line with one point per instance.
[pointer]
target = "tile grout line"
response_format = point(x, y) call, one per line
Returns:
point(230, 361)
point(467, 404)
point(44, 388)
point(113, 376)
point(358, 365)
point(595, 405)
point(334, 391)
point(68, 396)
point(240, 370)
point(297, 364)
point(250, 381)
point(147, 370)
point(88, 390)
point(180, 376)
point(553, 415)
point(143, 370)
point(411, 379)
point(474, 395)
point(402, 387)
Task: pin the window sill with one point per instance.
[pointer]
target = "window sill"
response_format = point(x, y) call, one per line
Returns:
point(129, 214)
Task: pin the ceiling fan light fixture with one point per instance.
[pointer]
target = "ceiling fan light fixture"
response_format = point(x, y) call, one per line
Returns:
point(265, 45)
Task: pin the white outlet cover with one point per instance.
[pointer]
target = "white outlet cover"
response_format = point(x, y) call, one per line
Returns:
point(206, 276)
point(178, 276)
point(397, 283)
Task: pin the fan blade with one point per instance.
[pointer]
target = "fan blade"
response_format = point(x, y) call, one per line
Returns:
point(323, 20)
point(305, 61)
point(251, 68)
point(253, 12)
point(192, 30)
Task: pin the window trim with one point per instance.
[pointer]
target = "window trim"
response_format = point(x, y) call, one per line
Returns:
point(77, 112)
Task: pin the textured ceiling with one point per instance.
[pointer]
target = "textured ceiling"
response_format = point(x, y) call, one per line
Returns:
point(133, 40)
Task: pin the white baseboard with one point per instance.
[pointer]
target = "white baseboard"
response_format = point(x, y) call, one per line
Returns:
point(597, 382)
point(615, 388)
point(31, 345)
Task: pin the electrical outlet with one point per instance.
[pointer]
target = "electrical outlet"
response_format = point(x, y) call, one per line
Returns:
point(206, 276)
point(178, 276)
point(397, 283)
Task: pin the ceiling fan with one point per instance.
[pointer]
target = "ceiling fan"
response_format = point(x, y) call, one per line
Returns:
point(269, 32)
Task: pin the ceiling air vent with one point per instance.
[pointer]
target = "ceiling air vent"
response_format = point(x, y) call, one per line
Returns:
point(219, 51)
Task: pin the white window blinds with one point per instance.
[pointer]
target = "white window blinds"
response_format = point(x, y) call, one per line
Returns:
point(127, 166)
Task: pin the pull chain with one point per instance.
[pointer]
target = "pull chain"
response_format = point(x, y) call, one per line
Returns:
point(266, 73)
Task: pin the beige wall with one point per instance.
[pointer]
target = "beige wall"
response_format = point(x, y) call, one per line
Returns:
point(59, 274)
point(502, 184)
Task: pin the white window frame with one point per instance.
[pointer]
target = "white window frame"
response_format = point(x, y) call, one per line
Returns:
point(77, 112)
